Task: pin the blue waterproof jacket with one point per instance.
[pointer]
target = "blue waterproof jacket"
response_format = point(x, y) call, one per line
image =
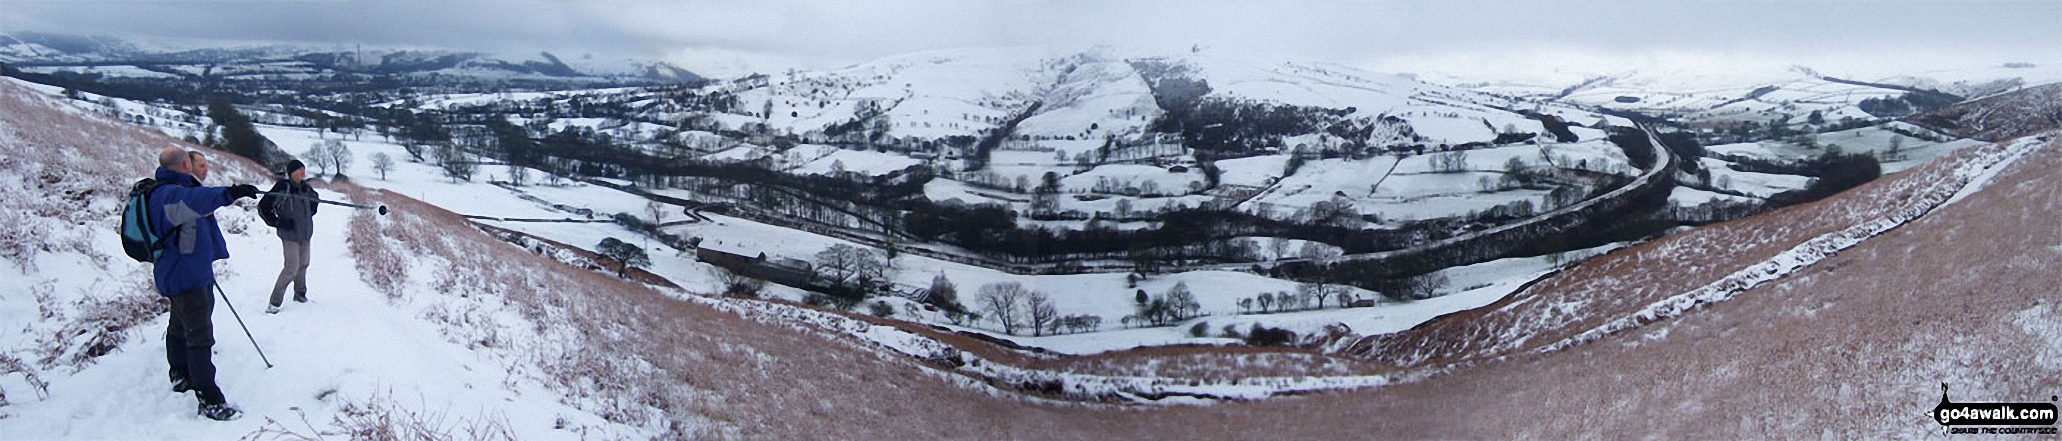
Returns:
point(193, 241)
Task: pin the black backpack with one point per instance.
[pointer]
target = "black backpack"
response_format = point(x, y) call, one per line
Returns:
point(139, 237)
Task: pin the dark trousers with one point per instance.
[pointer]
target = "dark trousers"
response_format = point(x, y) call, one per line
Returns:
point(189, 342)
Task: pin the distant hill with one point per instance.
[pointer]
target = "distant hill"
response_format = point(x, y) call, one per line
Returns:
point(1999, 117)
point(51, 53)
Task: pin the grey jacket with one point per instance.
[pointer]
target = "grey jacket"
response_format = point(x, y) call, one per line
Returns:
point(293, 217)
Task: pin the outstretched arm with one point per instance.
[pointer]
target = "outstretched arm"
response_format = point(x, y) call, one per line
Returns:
point(184, 205)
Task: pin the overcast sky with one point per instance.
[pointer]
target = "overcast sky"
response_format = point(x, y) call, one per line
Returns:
point(1467, 37)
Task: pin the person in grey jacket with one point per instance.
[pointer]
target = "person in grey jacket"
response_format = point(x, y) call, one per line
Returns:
point(290, 209)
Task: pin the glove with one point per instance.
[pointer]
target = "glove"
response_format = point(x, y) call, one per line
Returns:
point(243, 191)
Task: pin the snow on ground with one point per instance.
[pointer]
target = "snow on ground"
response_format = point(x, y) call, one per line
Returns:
point(345, 320)
point(1256, 171)
point(944, 190)
point(1469, 287)
point(113, 71)
point(1104, 295)
point(816, 159)
point(1877, 140)
point(350, 346)
point(1690, 197)
point(737, 154)
point(1135, 175)
point(1138, 204)
point(1761, 185)
point(1412, 190)
point(1981, 178)
point(1969, 176)
point(2042, 321)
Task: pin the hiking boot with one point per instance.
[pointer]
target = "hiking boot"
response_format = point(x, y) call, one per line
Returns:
point(179, 385)
point(274, 309)
point(219, 412)
point(301, 297)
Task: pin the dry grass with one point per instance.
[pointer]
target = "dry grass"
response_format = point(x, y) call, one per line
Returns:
point(66, 174)
point(381, 418)
point(99, 325)
point(572, 255)
point(616, 348)
point(1623, 281)
point(10, 366)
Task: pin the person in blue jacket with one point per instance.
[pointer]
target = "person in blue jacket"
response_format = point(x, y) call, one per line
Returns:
point(179, 211)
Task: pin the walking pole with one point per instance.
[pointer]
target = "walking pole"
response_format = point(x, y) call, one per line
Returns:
point(382, 209)
point(246, 329)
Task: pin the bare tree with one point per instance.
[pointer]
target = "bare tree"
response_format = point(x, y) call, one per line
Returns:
point(1043, 314)
point(1001, 301)
point(517, 175)
point(383, 164)
point(1279, 245)
point(1450, 162)
point(656, 210)
point(845, 264)
point(737, 285)
point(836, 263)
point(1338, 210)
point(317, 156)
point(456, 164)
point(339, 156)
point(1181, 303)
point(1317, 251)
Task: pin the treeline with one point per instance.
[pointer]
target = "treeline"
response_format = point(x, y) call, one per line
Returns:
point(1832, 173)
point(1638, 149)
point(1909, 103)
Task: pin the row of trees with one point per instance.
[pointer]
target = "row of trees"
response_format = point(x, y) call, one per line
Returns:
point(1016, 308)
point(1176, 305)
point(331, 155)
point(848, 266)
point(1308, 296)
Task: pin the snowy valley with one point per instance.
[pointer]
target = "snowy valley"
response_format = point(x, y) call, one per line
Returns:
point(628, 250)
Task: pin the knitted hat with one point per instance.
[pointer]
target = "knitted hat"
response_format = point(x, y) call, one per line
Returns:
point(293, 165)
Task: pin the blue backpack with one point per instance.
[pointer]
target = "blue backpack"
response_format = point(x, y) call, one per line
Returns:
point(139, 239)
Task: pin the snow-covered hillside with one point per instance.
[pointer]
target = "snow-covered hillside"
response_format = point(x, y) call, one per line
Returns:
point(1724, 97)
point(1089, 95)
point(119, 58)
point(88, 351)
point(2001, 116)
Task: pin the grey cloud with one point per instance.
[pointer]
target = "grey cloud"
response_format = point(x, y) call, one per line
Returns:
point(826, 32)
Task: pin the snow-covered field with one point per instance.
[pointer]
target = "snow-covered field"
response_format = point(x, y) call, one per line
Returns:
point(1761, 185)
point(1409, 188)
point(1896, 151)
